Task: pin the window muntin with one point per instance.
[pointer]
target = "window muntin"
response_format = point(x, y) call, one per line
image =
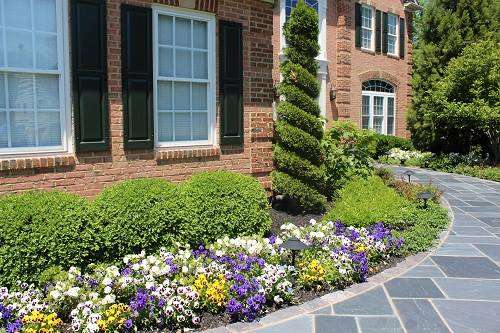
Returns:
point(32, 82)
point(366, 27)
point(184, 78)
point(392, 33)
point(290, 4)
point(378, 106)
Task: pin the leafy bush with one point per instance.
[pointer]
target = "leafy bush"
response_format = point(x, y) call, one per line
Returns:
point(386, 174)
point(39, 230)
point(384, 143)
point(413, 190)
point(126, 217)
point(364, 202)
point(490, 173)
point(211, 205)
point(347, 151)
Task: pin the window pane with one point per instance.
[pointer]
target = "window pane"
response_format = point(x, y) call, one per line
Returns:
point(22, 127)
point(200, 35)
point(182, 96)
point(182, 126)
point(20, 91)
point(365, 122)
point(18, 13)
point(390, 125)
point(366, 17)
point(2, 91)
point(45, 15)
point(165, 96)
point(182, 32)
point(182, 63)
point(390, 106)
point(49, 128)
point(47, 91)
point(366, 106)
point(1, 48)
point(200, 126)
point(377, 124)
point(19, 49)
point(391, 44)
point(165, 127)
point(366, 39)
point(200, 65)
point(378, 106)
point(200, 96)
point(166, 62)
point(46, 51)
point(165, 30)
point(4, 140)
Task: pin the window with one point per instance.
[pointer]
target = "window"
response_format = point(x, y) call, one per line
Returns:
point(367, 27)
point(32, 79)
point(377, 106)
point(290, 4)
point(184, 78)
point(392, 34)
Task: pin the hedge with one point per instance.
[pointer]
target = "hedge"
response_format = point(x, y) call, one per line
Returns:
point(384, 143)
point(300, 77)
point(295, 139)
point(39, 230)
point(298, 118)
point(300, 99)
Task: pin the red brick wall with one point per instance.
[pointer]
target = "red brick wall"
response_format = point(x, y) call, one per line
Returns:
point(89, 173)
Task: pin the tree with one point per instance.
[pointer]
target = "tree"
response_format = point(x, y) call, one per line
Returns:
point(299, 174)
point(444, 30)
point(465, 102)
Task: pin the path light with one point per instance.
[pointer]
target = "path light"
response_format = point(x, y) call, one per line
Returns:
point(294, 244)
point(409, 173)
point(425, 196)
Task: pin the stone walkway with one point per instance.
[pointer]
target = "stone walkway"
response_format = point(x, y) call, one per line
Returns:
point(455, 288)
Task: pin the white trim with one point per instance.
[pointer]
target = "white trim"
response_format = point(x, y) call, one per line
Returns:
point(385, 96)
point(396, 36)
point(372, 29)
point(211, 81)
point(62, 26)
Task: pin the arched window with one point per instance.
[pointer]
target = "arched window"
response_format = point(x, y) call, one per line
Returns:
point(378, 106)
point(289, 4)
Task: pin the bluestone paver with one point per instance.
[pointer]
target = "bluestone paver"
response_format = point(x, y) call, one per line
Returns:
point(468, 267)
point(372, 302)
point(413, 288)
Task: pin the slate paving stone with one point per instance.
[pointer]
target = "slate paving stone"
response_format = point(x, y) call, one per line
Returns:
point(413, 288)
point(491, 221)
point(371, 302)
point(474, 289)
point(458, 250)
point(329, 324)
point(466, 316)
point(418, 316)
point(380, 325)
point(300, 324)
point(428, 262)
point(468, 267)
point(455, 239)
point(492, 251)
point(326, 310)
point(478, 203)
point(424, 271)
point(471, 231)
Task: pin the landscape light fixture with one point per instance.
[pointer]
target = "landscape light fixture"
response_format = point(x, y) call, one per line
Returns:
point(409, 173)
point(295, 245)
point(425, 196)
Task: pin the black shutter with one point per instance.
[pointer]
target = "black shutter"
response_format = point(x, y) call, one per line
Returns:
point(402, 36)
point(231, 82)
point(384, 32)
point(90, 102)
point(357, 23)
point(137, 77)
point(378, 30)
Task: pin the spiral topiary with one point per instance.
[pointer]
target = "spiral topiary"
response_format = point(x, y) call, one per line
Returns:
point(299, 174)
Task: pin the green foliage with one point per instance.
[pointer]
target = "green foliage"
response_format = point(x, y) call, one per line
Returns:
point(293, 115)
point(347, 151)
point(300, 99)
point(364, 202)
point(39, 230)
point(125, 216)
point(306, 197)
point(294, 139)
point(384, 143)
point(211, 205)
point(490, 173)
point(386, 174)
point(298, 76)
point(413, 190)
point(443, 32)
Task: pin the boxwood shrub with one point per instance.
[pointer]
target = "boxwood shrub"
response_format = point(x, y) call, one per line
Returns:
point(213, 204)
point(126, 219)
point(39, 230)
point(384, 143)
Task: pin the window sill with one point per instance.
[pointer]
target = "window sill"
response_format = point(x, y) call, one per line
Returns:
point(367, 51)
point(393, 56)
point(36, 162)
point(186, 153)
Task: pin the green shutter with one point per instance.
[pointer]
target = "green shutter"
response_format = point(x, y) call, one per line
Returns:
point(137, 77)
point(231, 82)
point(90, 102)
point(384, 33)
point(357, 23)
point(378, 30)
point(402, 36)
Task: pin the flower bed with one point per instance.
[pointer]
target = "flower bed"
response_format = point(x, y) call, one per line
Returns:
point(241, 278)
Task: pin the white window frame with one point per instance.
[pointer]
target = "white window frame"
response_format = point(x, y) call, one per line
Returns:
point(372, 28)
point(64, 86)
point(211, 81)
point(385, 96)
point(396, 36)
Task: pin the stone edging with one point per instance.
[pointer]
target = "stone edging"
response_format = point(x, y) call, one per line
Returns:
point(341, 295)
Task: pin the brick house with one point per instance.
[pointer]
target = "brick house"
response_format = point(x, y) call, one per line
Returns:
point(97, 91)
